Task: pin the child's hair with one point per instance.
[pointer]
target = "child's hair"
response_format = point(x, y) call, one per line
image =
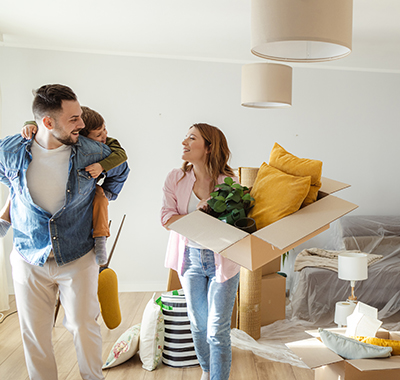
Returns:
point(92, 119)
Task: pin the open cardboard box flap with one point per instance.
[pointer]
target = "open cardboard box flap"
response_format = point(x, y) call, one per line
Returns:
point(381, 333)
point(393, 362)
point(330, 186)
point(252, 251)
point(314, 353)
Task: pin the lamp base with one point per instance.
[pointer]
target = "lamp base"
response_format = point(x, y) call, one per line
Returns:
point(352, 298)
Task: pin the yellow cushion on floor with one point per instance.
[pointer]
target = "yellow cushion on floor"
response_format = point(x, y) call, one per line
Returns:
point(108, 298)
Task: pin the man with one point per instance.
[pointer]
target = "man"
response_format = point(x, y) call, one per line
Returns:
point(51, 214)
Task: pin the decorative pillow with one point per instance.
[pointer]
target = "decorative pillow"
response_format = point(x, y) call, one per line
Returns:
point(302, 167)
point(352, 349)
point(395, 344)
point(107, 293)
point(151, 335)
point(124, 348)
point(276, 195)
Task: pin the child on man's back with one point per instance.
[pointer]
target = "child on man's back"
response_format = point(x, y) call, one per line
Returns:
point(94, 129)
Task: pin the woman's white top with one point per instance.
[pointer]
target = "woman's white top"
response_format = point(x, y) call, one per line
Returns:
point(192, 206)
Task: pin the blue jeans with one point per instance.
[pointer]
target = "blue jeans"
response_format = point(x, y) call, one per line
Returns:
point(210, 304)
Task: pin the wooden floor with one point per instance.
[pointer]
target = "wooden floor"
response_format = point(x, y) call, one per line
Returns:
point(245, 365)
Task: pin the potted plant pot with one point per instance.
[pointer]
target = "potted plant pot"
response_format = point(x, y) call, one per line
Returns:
point(246, 224)
point(233, 216)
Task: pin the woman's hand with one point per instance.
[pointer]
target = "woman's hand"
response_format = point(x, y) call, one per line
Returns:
point(172, 219)
point(202, 205)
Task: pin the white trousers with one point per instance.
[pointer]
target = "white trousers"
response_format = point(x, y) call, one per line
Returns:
point(36, 292)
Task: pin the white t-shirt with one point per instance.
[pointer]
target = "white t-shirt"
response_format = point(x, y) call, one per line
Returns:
point(192, 206)
point(47, 176)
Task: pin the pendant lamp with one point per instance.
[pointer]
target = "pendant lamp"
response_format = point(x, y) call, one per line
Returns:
point(266, 85)
point(301, 30)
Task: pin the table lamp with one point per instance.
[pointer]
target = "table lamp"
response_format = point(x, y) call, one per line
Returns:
point(353, 267)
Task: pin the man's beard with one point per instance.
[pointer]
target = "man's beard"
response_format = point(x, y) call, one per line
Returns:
point(61, 136)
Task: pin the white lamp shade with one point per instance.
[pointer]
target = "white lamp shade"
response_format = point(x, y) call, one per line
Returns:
point(266, 85)
point(301, 30)
point(353, 266)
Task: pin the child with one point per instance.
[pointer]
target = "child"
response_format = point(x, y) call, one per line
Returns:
point(94, 129)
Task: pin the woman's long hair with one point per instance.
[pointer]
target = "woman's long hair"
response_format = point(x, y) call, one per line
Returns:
point(217, 160)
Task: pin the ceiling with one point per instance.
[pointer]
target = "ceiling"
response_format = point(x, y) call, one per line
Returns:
point(208, 30)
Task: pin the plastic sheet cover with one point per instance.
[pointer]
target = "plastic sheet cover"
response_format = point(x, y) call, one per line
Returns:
point(315, 291)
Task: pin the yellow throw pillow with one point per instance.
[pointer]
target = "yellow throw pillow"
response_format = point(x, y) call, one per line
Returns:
point(395, 344)
point(276, 195)
point(107, 293)
point(302, 167)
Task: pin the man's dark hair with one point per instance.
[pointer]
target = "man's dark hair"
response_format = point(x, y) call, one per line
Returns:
point(92, 119)
point(48, 99)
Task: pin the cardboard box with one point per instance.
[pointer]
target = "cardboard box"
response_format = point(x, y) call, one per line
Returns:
point(273, 300)
point(326, 365)
point(234, 317)
point(272, 267)
point(252, 251)
point(173, 281)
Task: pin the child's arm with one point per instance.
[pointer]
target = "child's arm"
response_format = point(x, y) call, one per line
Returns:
point(5, 211)
point(94, 169)
point(5, 221)
point(116, 158)
point(29, 128)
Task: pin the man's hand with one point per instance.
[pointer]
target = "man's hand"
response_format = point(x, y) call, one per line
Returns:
point(28, 130)
point(94, 170)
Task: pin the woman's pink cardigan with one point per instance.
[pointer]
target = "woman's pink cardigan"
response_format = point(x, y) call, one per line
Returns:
point(176, 195)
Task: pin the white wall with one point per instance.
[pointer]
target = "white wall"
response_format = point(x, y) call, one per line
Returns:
point(347, 119)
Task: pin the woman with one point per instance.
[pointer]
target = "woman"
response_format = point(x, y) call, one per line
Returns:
point(209, 280)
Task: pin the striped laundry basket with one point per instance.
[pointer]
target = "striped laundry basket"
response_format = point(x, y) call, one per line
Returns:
point(178, 343)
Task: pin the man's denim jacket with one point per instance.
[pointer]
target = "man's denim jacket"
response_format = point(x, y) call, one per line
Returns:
point(69, 231)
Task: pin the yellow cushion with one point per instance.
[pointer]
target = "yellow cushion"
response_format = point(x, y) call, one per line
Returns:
point(302, 167)
point(108, 298)
point(395, 344)
point(276, 195)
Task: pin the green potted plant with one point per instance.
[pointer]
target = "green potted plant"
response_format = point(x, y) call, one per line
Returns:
point(230, 202)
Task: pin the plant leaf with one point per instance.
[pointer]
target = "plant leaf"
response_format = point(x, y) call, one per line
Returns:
point(224, 187)
point(234, 206)
point(236, 196)
point(219, 206)
point(228, 181)
point(211, 202)
point(247, 198)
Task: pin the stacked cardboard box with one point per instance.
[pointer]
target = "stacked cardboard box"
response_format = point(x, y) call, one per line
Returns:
point(273, 298)
point(273, 290)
